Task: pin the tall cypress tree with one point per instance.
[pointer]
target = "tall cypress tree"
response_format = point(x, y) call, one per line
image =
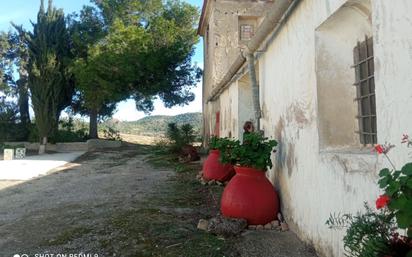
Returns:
point(49, 79)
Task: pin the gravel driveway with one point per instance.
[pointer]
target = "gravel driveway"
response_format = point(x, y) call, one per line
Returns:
point(39, 216)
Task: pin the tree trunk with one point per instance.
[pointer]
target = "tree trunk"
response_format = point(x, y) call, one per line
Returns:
point(93, 124)
point(42, 148)
point(23, 102)
point(24, 105)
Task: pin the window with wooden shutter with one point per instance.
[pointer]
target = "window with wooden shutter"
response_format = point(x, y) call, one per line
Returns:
point(365, 88)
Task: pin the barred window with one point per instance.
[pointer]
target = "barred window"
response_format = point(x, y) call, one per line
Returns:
point(246, 32)
point(365, 88)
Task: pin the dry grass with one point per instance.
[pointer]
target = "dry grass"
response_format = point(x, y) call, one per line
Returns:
point(142, 140)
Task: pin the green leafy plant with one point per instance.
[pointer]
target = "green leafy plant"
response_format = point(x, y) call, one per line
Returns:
point(179, 136)
point(111, 134)
point(374, 233)
point(214, 142)
point(397, 185)
point(217, 143)
point(368, 234)
point(255, 152)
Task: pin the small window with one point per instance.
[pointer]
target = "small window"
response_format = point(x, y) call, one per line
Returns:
point(365, 88)
point(246, 32)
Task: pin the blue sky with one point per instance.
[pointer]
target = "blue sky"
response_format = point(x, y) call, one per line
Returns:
point(22, 11)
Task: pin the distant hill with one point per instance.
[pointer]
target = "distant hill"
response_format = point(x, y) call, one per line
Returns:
point(157, 124)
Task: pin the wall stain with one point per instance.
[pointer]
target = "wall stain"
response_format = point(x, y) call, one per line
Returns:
point(290, 159)
point(280, 153)
point(297, 113)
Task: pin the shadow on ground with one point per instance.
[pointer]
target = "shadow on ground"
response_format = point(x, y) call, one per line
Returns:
point(133, 201)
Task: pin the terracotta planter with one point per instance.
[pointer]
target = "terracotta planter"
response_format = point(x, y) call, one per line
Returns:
point(214, 169)
point(251, 196)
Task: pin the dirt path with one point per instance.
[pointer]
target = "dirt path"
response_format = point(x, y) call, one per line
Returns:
point(61, 212)
point(114, 203)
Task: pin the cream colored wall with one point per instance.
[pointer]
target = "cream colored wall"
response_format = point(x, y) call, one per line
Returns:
point(314, 182)
point(245, 104)
point(223, 47)
point(392, 29)
point(229, 112)
point(335, 39)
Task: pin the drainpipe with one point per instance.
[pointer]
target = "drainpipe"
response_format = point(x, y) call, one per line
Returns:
point(250, 58)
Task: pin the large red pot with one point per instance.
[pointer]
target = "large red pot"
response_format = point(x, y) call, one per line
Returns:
point(251, 196)
point(214, 169)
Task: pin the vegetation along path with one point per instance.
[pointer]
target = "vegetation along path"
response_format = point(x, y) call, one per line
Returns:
point(122, 203)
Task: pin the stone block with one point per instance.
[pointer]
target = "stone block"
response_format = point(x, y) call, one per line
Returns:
point(8, 154)
point(20, 153)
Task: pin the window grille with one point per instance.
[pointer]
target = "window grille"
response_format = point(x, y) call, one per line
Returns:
point(246, 32)
point(365, 88)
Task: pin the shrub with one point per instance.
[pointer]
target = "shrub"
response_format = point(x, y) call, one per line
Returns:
point(367, 234)
point(111, 134)
point(10, 128)
point(64, 136)
point(179, 137)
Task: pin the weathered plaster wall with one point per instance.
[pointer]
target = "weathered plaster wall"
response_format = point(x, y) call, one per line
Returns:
point(245, 104)
point(335, 39)
point(314, 182)
point(221, 45)
point(229, 112)
point(392, 29)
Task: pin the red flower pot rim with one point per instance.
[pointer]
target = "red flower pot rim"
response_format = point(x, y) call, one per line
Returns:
point(248, 167)
point(249, 171)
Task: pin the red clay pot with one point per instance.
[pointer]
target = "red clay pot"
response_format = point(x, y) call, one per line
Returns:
point(251, 196)
point(214, 169)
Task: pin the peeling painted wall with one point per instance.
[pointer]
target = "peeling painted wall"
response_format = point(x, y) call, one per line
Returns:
point(229, 111)
point(314, 180)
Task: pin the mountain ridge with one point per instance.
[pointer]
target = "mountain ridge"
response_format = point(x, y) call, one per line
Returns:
point(156, 124)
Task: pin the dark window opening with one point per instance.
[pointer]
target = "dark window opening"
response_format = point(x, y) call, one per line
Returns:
point(365, 91)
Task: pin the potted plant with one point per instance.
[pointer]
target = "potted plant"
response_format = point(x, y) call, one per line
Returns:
point(213, 169)
point(249, 194)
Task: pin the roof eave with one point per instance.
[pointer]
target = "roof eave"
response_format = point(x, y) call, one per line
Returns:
point(200, 29)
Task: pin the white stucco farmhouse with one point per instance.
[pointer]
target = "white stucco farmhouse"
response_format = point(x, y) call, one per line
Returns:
point(328, 79)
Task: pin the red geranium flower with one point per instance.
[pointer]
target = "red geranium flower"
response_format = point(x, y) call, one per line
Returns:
point(379, 149)
point(382, 201)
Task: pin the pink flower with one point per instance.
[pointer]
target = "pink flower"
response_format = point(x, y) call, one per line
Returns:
point(382, 201)
point(405, 138)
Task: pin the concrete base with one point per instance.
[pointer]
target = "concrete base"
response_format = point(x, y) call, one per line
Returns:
point(91, 144)
point(34, 166)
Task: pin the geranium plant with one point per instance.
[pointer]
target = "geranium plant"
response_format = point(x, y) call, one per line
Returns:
point(254, 152)
point(219, 143)
point(397, 185)
point(375, 233)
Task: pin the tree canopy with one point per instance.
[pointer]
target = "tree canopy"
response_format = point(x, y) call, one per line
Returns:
point(145, 53)
point(49, 80)
point(112, 50)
